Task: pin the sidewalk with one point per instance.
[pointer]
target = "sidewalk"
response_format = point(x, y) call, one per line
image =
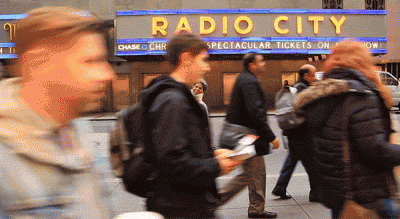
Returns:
point(94, 133)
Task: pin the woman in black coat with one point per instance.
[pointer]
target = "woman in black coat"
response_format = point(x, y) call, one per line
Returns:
point(350, 76)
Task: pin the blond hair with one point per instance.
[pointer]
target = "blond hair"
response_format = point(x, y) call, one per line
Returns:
point(54, 25)
point(353, 54)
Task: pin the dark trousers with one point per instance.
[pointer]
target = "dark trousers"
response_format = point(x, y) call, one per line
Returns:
point(286, 173)
point(194, 211)
point(299, 150)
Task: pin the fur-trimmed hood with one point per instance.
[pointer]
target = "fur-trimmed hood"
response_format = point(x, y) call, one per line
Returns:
point(338, 81)
point(319, 90)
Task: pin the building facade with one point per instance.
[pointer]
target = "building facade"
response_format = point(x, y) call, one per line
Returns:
point(135, 69)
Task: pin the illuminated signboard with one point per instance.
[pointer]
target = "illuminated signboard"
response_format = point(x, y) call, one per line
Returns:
point(237, 31)
point(7, 49)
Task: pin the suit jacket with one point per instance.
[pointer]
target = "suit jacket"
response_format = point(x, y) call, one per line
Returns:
point(248, 108)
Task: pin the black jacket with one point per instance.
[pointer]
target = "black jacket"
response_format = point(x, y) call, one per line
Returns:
point(369, 130)
point(247, 107)
point(181, 137)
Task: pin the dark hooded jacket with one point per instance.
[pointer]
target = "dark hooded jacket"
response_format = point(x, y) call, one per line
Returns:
point(181, 137)
point(369, 129)
point(248, 108)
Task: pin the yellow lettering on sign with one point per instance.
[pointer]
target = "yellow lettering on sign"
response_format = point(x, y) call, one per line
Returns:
point(162, 29)
point(276, 24)
point(224, 25)
point(337, 23)
point(211, 21)
point(299, 25)
point(11, 29)
point(316, 20)
point(249, 25)
point(183, 25)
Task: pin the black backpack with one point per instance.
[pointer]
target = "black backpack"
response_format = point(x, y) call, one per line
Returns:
point(130, 150)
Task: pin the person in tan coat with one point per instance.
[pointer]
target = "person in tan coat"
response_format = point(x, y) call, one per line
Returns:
point(63, 65)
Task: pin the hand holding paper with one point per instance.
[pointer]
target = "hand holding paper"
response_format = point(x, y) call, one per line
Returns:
point(245, 148)
point(226, 163)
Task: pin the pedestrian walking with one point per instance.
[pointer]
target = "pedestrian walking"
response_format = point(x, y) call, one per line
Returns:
point(247, 108)
point(180, 134)
point(348, 124)
point(198, 91)
point(63, 66)
point(299, 148)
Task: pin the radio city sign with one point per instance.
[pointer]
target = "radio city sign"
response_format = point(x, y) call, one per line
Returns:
point(160, 24)
point(232, 31)
point(7, 32)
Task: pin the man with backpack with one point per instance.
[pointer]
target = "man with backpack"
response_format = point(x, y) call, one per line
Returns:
point(298, 147)
point(180, 136)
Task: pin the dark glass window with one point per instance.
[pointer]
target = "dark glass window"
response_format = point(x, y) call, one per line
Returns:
point(332, 4)
point(375, 4)
point(389, 67)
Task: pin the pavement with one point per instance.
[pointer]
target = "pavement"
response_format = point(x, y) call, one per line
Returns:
point(94, 133)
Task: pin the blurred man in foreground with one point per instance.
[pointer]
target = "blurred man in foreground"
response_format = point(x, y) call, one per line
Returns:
point(45, 171)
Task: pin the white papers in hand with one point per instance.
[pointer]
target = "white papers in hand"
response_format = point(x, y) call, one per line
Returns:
point(245, 148)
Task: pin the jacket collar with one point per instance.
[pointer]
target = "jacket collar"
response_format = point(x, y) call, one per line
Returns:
point(250, 73)
point(26, 132)
point(304, 81)
point(198, 97)
point(350, 74)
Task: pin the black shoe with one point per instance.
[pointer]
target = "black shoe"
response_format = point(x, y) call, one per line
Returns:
point(281, 195)
point(266, 214)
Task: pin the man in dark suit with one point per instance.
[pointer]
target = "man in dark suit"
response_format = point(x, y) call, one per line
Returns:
point(248, 108)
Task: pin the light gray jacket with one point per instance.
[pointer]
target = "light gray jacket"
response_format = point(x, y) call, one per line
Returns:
point(39, 178)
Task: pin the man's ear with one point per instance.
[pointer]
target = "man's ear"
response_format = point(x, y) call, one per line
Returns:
point(33, 59)
point(251, 66)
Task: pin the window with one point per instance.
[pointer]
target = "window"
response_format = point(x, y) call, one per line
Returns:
point(387, 79)
point(391, 67)
point(375, 4)
point(121, 91)
point(291, 77)
point(332, 4)
point(147, 78)
point(229, 80)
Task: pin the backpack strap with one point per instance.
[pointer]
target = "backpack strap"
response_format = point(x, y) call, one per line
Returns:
point(119, 145)
point(123, 136)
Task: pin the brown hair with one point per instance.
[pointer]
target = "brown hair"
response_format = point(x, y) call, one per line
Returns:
point(352, 54)
point(185, 42)
point(59, 24)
